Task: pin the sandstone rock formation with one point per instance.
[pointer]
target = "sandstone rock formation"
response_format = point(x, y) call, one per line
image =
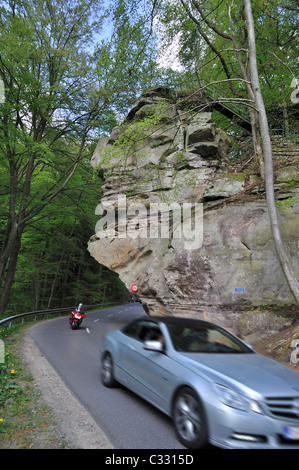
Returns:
point(165, 152)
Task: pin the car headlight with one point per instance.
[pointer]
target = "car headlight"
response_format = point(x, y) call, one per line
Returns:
point(235, 400)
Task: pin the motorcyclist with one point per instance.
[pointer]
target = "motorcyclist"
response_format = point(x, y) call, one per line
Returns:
point(80, 308)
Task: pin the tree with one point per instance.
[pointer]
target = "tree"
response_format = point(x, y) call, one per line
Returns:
point(54, 267)
point(212, 38)
point(63, 89)
point(128, 57)
point(267, 151)
point(229, 33)
point(52, 103)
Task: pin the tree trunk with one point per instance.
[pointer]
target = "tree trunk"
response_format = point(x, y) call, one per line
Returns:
point(286, 125)
point(267, 150)
point(256, 140)
point(11, 270)
point(55, 279)
point(65, 281)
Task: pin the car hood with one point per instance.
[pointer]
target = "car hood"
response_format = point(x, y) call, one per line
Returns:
point(253, 371)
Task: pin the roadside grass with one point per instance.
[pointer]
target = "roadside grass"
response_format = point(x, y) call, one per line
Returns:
point(25, 421)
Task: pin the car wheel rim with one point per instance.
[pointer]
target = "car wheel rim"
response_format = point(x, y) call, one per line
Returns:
point(187, 417)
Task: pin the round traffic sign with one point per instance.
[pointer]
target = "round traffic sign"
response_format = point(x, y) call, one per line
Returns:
point(134, 288)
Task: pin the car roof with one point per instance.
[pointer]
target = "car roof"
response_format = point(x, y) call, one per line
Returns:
point(168, 320)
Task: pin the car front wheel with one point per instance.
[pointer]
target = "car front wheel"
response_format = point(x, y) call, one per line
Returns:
point(107, 373)
point(189, 419)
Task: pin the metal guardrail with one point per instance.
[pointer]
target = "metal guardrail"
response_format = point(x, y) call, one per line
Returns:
point(54, 311)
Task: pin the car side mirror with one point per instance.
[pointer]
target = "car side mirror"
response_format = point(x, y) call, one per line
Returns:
point(152, 345)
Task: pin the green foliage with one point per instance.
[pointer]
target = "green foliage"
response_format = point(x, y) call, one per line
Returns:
point(131, 140)
point(54, 267)
point(208, 35)
point(289, 202)
point(56, 104)
point(9, 388)
point(10, 375)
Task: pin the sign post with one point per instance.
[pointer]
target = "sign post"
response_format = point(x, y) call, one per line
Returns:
point(134, 288)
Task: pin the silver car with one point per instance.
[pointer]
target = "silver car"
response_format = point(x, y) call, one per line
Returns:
point(215, 387)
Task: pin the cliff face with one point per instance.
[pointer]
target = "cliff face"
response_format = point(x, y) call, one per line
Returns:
point(164, 153)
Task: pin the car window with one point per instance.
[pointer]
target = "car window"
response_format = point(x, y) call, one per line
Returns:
point(131, 329)
point(205, 339)
point(143, 330)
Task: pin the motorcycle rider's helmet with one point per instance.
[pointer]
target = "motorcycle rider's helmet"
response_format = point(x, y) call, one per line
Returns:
point(80, 307)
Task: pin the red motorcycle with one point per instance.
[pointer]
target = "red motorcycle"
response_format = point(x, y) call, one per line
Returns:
point(76, 319)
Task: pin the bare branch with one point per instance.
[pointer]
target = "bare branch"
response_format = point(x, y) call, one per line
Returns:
point(209, 23)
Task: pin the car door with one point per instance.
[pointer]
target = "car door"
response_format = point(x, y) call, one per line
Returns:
point(129, 348)
point(157, 372)
point(152, 373)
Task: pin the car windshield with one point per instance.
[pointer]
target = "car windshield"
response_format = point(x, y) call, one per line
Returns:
point(205, 339)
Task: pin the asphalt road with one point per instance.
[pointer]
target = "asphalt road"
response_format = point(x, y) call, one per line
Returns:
point(128, 421)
